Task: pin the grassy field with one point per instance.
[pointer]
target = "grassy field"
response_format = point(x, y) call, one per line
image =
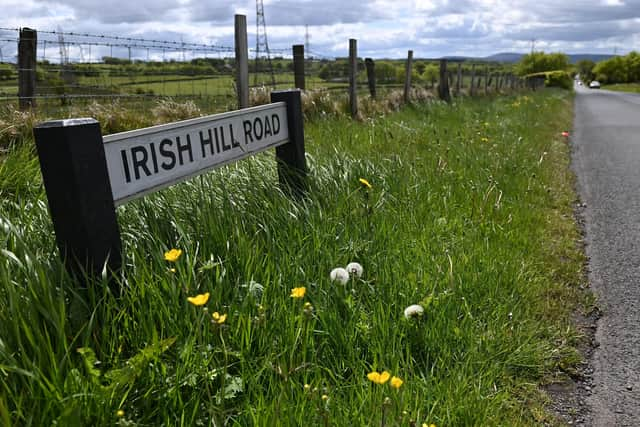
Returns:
point(464, 209)
point(623, 87)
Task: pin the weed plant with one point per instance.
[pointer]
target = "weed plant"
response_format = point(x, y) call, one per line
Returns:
point(463, 209)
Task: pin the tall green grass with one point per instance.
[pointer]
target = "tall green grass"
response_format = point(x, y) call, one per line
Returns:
point(468, 214)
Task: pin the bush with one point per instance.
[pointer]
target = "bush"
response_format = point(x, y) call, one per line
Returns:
point(558, 79)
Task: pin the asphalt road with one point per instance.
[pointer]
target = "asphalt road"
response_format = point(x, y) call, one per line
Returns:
point(606, 160)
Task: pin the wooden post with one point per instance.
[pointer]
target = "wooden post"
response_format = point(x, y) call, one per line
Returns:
point(498, 82)
point(371, 76)
point(486, 80)
point(459, 79)
point(472, 88)
point(242, 61)
point(298, 66)
point(407, 76)
point(353, 77)
point(75, 176)
point(292, 165)
point(27, 68)
point(443, 84)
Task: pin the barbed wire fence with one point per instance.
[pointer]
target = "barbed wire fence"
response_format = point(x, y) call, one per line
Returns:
point(76, 68)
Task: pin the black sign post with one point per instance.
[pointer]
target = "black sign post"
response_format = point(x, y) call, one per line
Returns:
point(74, 171)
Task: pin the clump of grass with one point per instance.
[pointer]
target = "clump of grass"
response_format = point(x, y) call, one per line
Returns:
point(167, 110)
point(15, 126)
point(113, 116)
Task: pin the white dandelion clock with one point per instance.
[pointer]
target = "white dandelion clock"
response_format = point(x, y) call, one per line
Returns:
point(355, 269)
point(339, 275)
point(414, 311)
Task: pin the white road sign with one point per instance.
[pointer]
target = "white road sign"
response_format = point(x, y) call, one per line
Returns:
point(145, 160)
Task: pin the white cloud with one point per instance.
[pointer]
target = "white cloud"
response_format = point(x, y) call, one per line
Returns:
point(432, 28)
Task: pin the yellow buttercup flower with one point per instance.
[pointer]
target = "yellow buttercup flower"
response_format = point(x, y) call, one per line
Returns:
point(365, 183)
point(298, 292)
point(379, 377)
point(172, 255)
point(120, 413)
point(396, 382)
point(199, 299)
point(219, 318)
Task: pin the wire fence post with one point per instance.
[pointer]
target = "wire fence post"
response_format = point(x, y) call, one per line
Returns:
point(27, 45)
point(407, 77)
point(371, 76)
point(298, 66)
point(443, 84)
point(486, 80)
point(353, 77)
point(472, 88)
point(458, 78)
point(242, 61)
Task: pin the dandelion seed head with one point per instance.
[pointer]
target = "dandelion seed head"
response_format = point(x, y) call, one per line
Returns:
point(339, 275)
point(355, 269)
point(413, 311)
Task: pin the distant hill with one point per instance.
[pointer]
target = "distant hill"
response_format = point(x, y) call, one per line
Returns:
point(515, 57)
point(595, 57)
point(503, 57)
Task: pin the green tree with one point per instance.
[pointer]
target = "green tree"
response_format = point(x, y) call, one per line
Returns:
point(585, 69)
point(537, 62)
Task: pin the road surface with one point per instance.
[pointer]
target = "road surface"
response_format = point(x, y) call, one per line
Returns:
point(606, 160)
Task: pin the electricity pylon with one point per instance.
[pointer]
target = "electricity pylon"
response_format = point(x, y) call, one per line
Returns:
point(262, 45)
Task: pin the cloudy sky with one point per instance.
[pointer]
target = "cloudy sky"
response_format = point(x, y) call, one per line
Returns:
point(383, 28)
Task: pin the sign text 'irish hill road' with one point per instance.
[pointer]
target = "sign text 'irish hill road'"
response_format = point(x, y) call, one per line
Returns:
point(144, 160)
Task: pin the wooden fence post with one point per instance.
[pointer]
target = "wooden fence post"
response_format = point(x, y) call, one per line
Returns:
point(27, 45)
point(242, 61)
point(353, 77)
point(443, 84)
point(292, 165)
point(472, 89)
point(407, 76)
point(459, 79)
point(371, 76)
point(298, 66)
point(486, 80)
point(498, 82)
point(75, 176)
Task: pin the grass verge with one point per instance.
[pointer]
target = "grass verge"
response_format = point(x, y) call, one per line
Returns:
point(623, 87)
point(468, 214)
